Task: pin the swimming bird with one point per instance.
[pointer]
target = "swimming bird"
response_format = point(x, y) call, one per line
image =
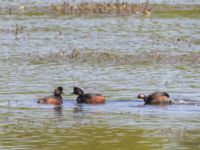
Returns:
point(88, 98)
point(55, 99)
point(156, 98)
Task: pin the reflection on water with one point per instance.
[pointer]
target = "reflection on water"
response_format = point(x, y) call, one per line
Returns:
point(119, 57)
point(117, 124)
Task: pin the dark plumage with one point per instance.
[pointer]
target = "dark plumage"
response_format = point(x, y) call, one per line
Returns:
point(88, 98)
point(156, 98)
point(55, 99)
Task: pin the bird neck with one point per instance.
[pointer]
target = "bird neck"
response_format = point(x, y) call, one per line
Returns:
point(58, 96)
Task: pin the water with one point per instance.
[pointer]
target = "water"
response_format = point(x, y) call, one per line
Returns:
point(36, 61)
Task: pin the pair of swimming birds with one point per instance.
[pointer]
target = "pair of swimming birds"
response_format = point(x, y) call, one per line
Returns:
point(93, 98)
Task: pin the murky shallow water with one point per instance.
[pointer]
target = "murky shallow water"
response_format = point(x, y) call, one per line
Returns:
point(123, 122)
point(115, 125)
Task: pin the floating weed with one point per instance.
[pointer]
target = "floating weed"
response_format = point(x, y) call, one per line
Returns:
point(194, 86)
point(76, 29)
point(100, 29)
point(111, 58)
point(196, 41)
point(182, 67)
point(32, 13)
point(170, 13)
point(18, 30)
point(36, 62)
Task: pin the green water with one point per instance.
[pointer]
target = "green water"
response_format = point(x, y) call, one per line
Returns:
point(118, 57)
point(115, 125)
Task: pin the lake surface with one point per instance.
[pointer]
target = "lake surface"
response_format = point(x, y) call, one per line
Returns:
point(112, 57)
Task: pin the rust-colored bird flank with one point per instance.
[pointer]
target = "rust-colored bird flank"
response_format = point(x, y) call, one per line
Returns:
point(88, 98)
point(55, 99)
point(156, 98)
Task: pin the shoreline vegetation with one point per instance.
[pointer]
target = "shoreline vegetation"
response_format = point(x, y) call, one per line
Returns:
point(104, 9)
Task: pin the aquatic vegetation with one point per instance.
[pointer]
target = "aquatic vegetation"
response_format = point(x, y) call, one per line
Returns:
point(18, 30)
point(191, 12)
point(34, 13)
point(196, 41)
point(119, 49)
point(98, 9)
point(109, 58)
